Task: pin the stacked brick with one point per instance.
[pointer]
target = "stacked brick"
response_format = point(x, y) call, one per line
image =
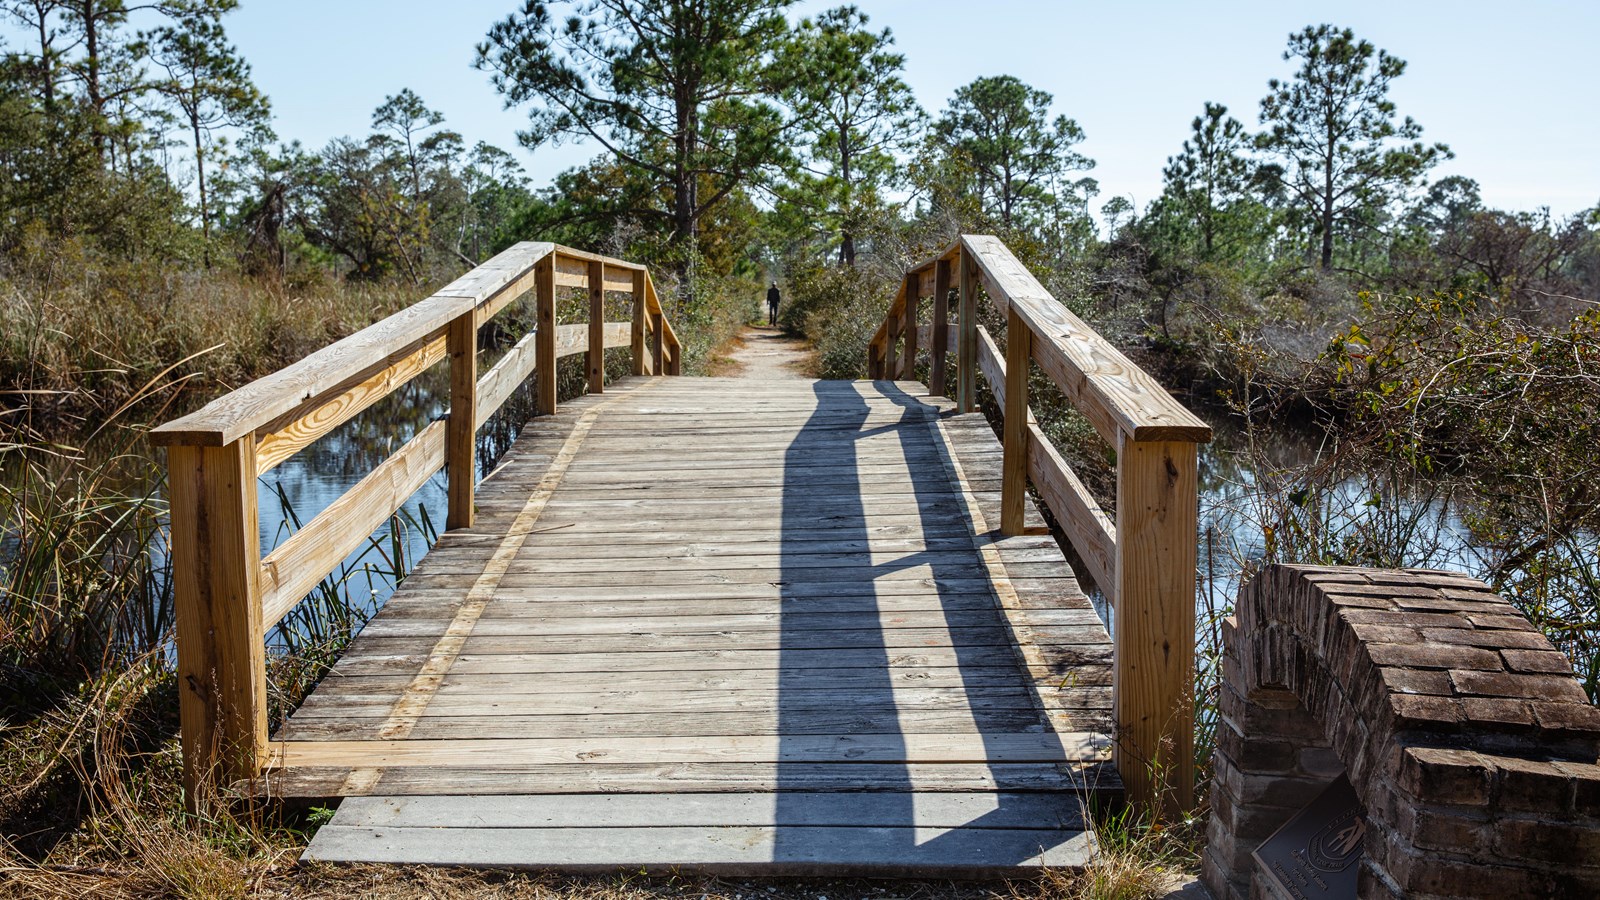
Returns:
point(1470, 744)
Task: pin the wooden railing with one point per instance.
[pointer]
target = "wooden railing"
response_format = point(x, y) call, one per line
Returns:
point(227, 596)
point(1144, 561)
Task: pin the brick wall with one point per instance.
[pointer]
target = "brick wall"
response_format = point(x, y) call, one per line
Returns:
point(1470, 744)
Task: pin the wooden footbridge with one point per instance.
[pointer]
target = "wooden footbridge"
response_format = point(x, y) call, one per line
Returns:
point(741, 626)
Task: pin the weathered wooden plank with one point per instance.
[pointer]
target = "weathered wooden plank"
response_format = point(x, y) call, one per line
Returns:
point(693, 682)
point(744, 710)
point(876, 779)
point(730, 851)
point(970, 810)
point(367, 657)
point(724, 748)
point(623, 684)
point(868, 644)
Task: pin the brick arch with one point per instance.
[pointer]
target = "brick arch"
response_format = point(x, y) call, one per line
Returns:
point(1460, 727)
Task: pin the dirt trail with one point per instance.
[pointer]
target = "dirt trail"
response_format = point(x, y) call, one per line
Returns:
point(767, 353)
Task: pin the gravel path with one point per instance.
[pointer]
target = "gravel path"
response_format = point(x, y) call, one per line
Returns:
point(767, 353)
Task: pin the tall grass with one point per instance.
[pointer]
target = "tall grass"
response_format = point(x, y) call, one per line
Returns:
point(89, 763)
point(83, 333)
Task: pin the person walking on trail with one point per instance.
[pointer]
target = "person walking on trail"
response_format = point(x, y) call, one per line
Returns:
point(772, 304)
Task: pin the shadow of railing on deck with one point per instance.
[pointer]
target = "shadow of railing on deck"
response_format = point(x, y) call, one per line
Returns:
point(842, 670)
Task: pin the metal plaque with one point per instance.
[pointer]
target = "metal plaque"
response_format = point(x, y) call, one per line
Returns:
point(1317, 853)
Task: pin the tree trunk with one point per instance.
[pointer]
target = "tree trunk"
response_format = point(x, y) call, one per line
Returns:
point(91, 46)
point(200, 180)
point(47, 81)
point(847, 240)
point(686, 196)
point(1327, 208)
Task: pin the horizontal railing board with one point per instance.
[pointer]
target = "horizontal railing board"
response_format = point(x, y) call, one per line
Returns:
point(295, 431)
point(1089, 530)
point(500, 382)
point(1096, 372)
point(573, 271)
point(295, 389)
point(290, 572)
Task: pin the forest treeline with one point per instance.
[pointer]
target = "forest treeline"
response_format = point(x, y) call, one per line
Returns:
point(736, 142)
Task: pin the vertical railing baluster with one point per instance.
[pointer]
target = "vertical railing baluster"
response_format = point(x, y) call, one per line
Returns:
point(462, 432)
point(1014, 464)
point(597, 327)
point(939, 335)
point(544, 372)
point(967, 336)
point(891, 344)
point(639, 328)
point(909, 325)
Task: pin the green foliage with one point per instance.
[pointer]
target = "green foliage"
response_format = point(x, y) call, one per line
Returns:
point(208, 83)
point(1454, 388)
point(1019, 157)
point(839, 308)
point(672, 92)
point(1207, 183)
point(843, 85)
point(1342, 156)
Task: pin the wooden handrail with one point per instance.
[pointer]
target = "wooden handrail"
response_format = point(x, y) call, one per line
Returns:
point(1144, 560)
point(227, 596)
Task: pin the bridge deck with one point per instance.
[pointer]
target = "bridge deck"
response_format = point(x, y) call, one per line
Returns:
point(740, 626)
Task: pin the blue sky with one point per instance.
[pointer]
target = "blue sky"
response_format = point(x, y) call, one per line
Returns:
point(1511, 87)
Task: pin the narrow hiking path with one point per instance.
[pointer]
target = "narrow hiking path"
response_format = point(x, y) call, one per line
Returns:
point(764, 353)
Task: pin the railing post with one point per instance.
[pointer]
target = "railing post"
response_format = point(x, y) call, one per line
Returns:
point(1014, 464)
point(940, 333)
point(1153, 672)
point(544, 367)
point(675, 362)
point(913, 300)
point(461, 441)
point(967, 336)
point(874, 361)
point(597, 327)
point(891, 346)
point(658, 366)
point(639, 329)
point(216, 581)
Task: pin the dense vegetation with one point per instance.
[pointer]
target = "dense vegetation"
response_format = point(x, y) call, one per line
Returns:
point(1299, 276)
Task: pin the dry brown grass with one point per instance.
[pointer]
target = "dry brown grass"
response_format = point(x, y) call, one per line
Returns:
point(90, 332)
point(90, 807)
